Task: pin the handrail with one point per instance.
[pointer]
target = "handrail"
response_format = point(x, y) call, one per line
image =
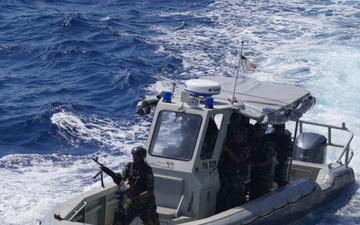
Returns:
point(77, 211)
point(346, 149)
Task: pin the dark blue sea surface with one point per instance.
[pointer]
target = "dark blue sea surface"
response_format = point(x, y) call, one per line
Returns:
point(72, 73)
point(87, 57)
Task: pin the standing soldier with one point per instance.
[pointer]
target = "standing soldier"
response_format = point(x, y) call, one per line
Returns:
point(283, 147)
point(233, 171)
point(262, 153)
point(139, 183)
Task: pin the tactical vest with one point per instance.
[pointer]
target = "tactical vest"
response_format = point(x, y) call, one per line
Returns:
point(136, 178)
point(229, 167)
point(260, 152)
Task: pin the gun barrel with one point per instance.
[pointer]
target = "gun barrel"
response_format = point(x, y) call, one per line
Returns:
point(96, 160)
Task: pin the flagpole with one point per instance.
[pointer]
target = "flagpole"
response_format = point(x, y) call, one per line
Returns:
point(237, 73)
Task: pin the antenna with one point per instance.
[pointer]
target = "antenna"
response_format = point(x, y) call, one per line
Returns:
point(237, 73)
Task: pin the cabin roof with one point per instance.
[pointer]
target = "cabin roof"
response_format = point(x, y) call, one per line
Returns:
point(263, 101)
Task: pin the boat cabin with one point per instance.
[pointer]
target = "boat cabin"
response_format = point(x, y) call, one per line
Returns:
point(187, 134)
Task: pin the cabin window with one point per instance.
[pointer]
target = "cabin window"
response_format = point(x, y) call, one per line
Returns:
point(175, 135)
point(212, 130)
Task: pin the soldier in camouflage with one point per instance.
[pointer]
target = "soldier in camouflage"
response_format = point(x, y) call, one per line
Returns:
point(233, 171)
point(139, 183)
point(283, 147)
point(262, 153)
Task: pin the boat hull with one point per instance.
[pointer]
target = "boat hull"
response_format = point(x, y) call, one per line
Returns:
point(287, 204)
point(282, 206)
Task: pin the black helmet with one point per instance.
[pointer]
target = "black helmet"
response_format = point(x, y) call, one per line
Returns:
point(139, 151)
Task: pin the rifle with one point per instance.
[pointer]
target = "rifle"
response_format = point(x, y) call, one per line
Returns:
point(119, 213)
point(116, 178)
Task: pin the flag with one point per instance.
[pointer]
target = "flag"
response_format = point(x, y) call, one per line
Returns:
point(246, 63)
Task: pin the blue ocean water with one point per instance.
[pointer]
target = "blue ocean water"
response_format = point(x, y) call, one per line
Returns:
point(72, 73)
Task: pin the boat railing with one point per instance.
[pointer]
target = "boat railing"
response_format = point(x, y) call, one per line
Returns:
point(346, 152)
point(76, 212)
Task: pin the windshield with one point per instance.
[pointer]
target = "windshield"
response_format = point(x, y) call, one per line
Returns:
point(175, 135)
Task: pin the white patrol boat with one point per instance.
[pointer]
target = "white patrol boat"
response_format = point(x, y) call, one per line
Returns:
point(185, 166)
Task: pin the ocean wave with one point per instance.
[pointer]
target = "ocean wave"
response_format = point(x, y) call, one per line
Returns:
point(73, 72)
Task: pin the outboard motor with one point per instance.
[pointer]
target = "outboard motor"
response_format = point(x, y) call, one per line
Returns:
point(311, 147)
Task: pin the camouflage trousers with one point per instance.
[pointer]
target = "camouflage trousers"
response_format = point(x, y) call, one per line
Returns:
point(232, 193)
point(260, 184)
point(145, 208)
point(280, 175)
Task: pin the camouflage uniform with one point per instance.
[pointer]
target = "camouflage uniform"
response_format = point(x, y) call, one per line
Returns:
point(284, 142)
point(140, 180)
point(232, 177)
point(261, 177)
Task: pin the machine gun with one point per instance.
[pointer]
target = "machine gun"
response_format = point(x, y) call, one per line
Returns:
point(116, 177)
point(119, 212)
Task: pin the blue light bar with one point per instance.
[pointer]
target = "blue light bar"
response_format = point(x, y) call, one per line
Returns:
point(209, 103)
point(167, 96)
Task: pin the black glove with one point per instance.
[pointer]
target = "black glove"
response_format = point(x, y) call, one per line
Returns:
point(117, 178)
